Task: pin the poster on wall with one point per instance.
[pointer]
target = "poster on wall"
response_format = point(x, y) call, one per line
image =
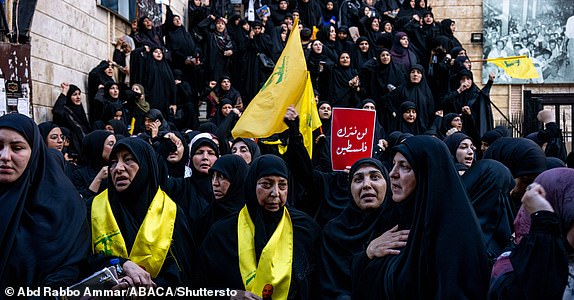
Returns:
point(540, 30)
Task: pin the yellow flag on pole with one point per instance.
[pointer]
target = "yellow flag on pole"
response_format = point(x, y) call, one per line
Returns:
point(308, 115)
point(289, 84)
point(516, 66)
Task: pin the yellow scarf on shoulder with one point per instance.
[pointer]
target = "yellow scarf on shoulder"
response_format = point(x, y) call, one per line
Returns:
point(275, 262)
point(152, 240)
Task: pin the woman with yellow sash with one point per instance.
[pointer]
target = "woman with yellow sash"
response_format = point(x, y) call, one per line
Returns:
point(135, 221)
point(267, 246)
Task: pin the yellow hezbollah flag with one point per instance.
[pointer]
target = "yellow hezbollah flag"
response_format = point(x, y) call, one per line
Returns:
point(308, 115)
point(516, 66)
point(286, 86)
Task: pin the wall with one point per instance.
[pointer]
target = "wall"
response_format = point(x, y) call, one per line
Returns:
point(68, 39)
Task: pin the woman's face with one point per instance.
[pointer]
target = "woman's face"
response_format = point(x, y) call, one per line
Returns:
point(220, 26)
point(15, 154)
point(385, 57)
point(118, 115)
point(325, 111)
point(452, 27)
point(226, 109)
point(410, 116)
point(369, 106)
point(123, 169)
point(157, 54)
point(220, 184)
point(329, 5)
point(109, 70)
point(403, 180)
point(375, 25)
point(241, 149)
point(368, 187)
point(136, 89)
point(271, 192)
point(114, 91)
point(404, 41)
point(465, 152)
point(364, 46)
point(317, 47)
point(467, 64)
point(177, 21)
point(76, 97)
point(332, 34)
point(416, 76)
point(388, 27)
point(456, 122)
point(108, 145)
point(148, 24)
point(226, 84)
point(175, 157)
point(345, 60)
point(55, 139)
point(245, 27)
point(203, 158)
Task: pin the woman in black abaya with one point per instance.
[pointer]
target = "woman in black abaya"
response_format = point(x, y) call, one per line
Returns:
point(224, 262)
point(69, 112)
point(44, 238)
point(227, 176)
point(362, 52)
point(416, 90)
point(159, 81)
point(344, 84)
point(347, 234)
point(379, 77)
point(90, 178)
point(182, 46)
point(444, 256)
point(488, 184)
point(135, 203)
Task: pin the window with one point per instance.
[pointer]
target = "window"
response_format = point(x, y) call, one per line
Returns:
point(123, 8)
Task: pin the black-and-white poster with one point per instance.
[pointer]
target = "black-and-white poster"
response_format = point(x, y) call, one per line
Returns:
point(540, 29)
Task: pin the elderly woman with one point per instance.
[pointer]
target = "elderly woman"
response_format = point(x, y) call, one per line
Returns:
point(540, 265)
point(227, 176)
point(444, 255)
point(276, 245)
point(135, 204)
point(43, 232)
point(345, 236)
point(246, 148)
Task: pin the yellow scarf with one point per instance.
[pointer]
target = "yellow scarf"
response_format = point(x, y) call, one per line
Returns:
point(152, 240)
point(276, 259)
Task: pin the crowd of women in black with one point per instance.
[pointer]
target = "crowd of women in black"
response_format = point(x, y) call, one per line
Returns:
point(428, 216)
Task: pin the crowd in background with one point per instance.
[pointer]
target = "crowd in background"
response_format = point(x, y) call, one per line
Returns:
point(448, 206)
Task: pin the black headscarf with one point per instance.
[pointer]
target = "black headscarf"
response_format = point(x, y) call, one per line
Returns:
point(521, 156)
point(453, 142)
point(159, 82)
point(345, 236)
point(43, 229)
point(92, 148)
point(340, 93)
point(234, 168)
point(488, 184)
point(445, 257)
point(359, 58)
point(403, 126)
point(178, 169)
point(420, 94)
point(218, 260)
point(251, 145)
point(45, 129)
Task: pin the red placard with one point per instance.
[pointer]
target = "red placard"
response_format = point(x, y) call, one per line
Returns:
point(352, 134)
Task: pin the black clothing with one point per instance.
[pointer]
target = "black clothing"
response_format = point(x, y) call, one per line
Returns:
point(345, 236)
point(67, 114)
point(488, 184)
point(44, 237)
point(96, 77)
point(91, 162)
point(219, 261)
point(340, 93)
point(444, 257)
point(159, 82)
point(131, 206)
point(233, 168)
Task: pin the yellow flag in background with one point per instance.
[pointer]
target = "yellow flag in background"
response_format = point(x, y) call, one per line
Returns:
point(516, 66)
point(308, 115)
point(289, 84)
